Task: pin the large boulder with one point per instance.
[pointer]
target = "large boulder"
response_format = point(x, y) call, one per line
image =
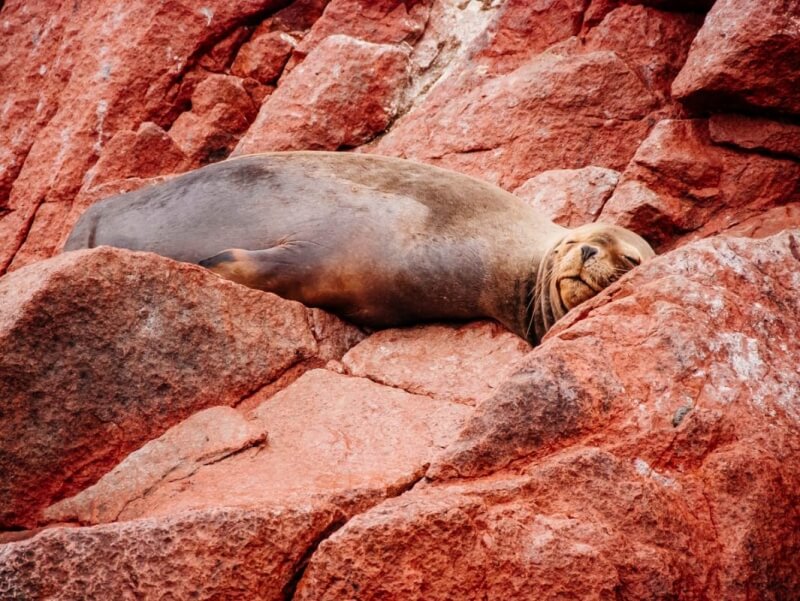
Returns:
point(345, 92)
point(681, 185)
point(336, 446)
point(747, 54)
point(103, 350)
point(649, 444)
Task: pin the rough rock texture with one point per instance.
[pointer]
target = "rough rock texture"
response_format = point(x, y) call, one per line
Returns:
point(747, 54)
point(648, 449)
point(460, 364)
point(756, 133)
point(102, 350)
point(78, 74)
point(570, 197)
point(628, 479)
point(680, 182)
point(344, 93)
point(222, 553)
point(513, 109)
point(346, 439)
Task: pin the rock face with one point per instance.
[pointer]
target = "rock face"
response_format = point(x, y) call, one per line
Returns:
point(625, 480)
point(164, 433)
point(746, 54)
point(102, 350)
point(680, 183)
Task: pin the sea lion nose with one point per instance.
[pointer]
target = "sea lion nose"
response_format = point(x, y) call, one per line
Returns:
point(587, 252)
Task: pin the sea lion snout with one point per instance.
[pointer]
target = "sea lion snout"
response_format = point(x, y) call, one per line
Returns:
point(587, 252)
point(591, 258)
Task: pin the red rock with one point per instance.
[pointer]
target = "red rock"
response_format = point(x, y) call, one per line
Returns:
point(550, 119)
point(264, 56)
point(679, 183)
point(343, 94)
point(459, 364)
point(76, 75)
point(377, 21)
point(680, 479)
point(222, 110)
point(146, 153)
point(570, 197)
point(208, 436)
point(102, 350)
point(582, 525)
point(653, 43)
point(720, 347)
point(754, 133)
point(746, 54)
point(222, 553)
point(522, 29)
point(333, 437)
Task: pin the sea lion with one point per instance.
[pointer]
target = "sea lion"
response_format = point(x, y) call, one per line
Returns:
point(379, 241)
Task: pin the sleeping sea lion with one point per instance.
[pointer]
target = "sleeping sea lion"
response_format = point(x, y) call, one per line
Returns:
point(379, 241)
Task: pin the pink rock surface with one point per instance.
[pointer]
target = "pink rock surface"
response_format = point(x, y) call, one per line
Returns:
point(543, 101)
point(754, 133)
point(679, 183)
point(205, 437)
point(581, 525)
point(102, 350)
point(264, 56)
point(620, 479)
point(506, 115)
point(717, 334)
point(570, 197)
point(343, 94)
point(331, 436)
point(459, 364)
point(378, 21)
point(747, 54)
point(221, 553)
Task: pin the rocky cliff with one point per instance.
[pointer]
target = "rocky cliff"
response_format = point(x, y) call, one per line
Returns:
point(166, 434)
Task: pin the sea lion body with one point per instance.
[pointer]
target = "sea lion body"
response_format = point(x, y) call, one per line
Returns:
point(380, 241)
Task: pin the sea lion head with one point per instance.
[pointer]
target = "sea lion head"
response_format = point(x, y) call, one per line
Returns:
point(581, 264)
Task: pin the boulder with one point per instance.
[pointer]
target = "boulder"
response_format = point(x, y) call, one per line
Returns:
point(548, 104)
point(344, 93)
point(681, 185)
point(104, 349)
point(649, 444)
point(390, 22)
point(747, 54)
point(756, 133)
point(527, 97)
point(460, 364)
point(337, 445)
point(348, 440)
point(570, 197)
point(221, 553)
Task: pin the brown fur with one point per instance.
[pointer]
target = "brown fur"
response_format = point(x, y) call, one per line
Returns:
point(380, 241)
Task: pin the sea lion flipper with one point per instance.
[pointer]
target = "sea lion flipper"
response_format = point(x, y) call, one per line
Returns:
point(234, 264)
point(272, 269)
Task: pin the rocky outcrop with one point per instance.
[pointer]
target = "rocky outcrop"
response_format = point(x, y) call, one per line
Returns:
point(161, 431)
point(312, 109)
point(626, 479)
point(103, 350)
point(748, 55)
point(680, 185)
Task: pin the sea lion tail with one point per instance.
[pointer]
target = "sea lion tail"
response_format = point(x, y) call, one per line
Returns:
point(83, 234)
